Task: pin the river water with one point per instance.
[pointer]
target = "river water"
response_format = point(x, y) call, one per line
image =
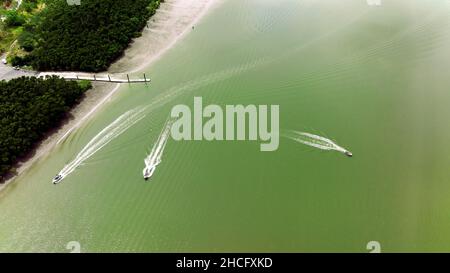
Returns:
point(372, 78)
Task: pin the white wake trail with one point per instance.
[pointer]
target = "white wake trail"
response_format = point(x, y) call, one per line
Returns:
point(316, 141)
point(131, 117)
point(110, 132)
point(155, 156)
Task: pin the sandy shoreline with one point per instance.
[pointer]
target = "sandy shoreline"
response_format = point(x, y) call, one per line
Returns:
point(171, 22)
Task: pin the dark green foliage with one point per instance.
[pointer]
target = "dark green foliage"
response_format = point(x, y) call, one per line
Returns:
point(87, 37)
point(29, 108)
point(28, 5)
point(20, 61)
point(14, 19)
point(26, 40)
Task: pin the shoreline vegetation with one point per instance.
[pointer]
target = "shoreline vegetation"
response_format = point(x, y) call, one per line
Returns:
point(88, 37)
point(30, 107)
point(14, 15)
point(162, 32)
point(53, 35)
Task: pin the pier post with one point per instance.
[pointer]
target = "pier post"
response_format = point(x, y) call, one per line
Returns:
point(128, 77)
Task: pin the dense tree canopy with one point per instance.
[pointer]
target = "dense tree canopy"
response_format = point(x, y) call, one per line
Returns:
point(87, 37)
point(29, 108)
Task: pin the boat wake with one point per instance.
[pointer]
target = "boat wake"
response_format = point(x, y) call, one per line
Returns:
point(113, 130)
point(316, 141)
point(155, 156)
point(131, 117)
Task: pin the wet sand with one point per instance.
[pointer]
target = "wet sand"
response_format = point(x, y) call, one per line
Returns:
point(173, 20)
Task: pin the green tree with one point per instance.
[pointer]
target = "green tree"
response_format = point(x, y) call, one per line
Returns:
point(14, 19)
point(87, 37)
point(29, 108)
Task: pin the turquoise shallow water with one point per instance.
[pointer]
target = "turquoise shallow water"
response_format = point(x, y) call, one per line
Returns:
point(372, 78)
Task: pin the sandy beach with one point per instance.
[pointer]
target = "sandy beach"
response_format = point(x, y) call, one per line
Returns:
point(173, 20)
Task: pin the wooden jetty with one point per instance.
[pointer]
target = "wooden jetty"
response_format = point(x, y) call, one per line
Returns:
point(99, 78)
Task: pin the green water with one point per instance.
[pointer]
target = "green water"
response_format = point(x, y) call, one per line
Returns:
point(375, 79)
